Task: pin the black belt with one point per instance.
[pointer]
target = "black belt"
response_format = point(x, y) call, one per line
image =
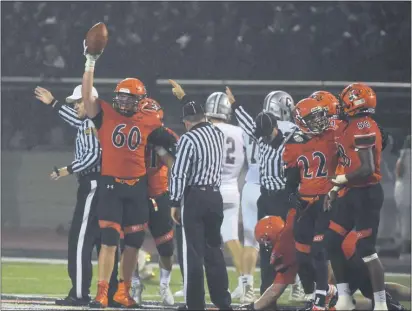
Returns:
point(269, 192)
point(89, 176)
point(205, 188)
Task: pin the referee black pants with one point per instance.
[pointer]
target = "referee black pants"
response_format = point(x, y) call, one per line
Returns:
point(273, 203)
point(202, 216)
point(84, 235)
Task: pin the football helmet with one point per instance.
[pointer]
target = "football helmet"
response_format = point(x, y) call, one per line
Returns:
point(268, 229)
point(280, 104)
point(331, 102)
point(149, 104)
point(128, 93)
point(218, 106)
point(311, 116)
point(357, 98)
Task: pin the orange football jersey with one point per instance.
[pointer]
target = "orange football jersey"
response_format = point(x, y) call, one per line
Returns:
point(358, 133)
point(316, 157)
point(284, 253)
point(123, 141)
point(157, 171)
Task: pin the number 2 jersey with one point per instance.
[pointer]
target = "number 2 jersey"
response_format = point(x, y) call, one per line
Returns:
point(352, 136)
point(316, 159)
point(233, 161)
point(124, 139)
point(157, 171)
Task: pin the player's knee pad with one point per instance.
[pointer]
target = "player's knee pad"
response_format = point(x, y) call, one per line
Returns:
point(164, 244)
point(110, 236)
point(134, 239)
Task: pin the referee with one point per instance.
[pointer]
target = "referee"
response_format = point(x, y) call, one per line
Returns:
point(273, 198)
point(84, 231)
point(196, 202)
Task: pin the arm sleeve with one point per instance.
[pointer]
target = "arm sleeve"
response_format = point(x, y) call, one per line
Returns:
point(68, 114)
point(91, 150)
point(292, 179)
point(179, 170)
point(163, 137)
point(245, 120)
point(98, 119)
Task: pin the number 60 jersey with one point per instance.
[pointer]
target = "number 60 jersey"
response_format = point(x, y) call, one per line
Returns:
point(233, 160)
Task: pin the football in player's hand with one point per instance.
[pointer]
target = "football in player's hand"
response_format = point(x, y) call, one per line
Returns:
point(96, 39)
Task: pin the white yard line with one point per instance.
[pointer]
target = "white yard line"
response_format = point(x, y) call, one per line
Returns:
point(152, 265)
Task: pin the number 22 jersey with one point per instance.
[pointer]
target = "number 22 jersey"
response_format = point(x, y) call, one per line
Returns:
point(316, 158)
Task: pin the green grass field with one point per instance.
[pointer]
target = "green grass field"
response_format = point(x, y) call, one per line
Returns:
point(52, 280)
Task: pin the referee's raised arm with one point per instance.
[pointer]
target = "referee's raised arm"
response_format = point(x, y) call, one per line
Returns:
point(195, 197)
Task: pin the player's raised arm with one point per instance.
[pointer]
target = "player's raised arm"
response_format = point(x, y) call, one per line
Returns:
point(246, 122)
point(96, 40)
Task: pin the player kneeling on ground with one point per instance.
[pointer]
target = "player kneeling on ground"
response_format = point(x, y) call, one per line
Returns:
point(273, 230)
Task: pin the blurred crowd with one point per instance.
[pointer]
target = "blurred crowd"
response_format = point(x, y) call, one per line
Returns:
point(236, 40)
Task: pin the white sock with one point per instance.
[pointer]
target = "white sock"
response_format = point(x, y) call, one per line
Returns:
point(380, 297)
point(343, 289)
point(136, 280)
point(249, 279)
point(297, 279)
point(240, 280)
point(165, 276)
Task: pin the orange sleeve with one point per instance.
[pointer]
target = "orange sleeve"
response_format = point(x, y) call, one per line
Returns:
point(289, 156)
point(363, 133)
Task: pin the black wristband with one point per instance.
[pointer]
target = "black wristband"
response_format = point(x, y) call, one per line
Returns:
point(56, 170)
point(70, 169)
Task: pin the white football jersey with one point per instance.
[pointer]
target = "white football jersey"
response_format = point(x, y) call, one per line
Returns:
point(233, 154)
point(252, 156)
point(286, 127)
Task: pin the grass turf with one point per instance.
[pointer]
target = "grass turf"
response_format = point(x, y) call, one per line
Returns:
point(52, 280)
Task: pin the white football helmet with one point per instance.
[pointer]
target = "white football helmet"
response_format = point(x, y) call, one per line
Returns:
point(280, 104)
point(218, 106)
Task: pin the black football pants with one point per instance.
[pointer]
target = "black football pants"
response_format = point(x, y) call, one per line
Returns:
point(273, 203)
point(202, 216)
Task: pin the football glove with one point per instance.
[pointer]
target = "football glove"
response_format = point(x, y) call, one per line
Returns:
point(90, 59)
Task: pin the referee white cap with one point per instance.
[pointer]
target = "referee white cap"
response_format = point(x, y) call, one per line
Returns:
point(77, 94)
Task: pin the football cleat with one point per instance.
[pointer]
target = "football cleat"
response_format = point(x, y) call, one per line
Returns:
point(331, 296)
point(238, 292)
point(296, 293)
point(137, 290)
point(345, 303)
point(179, 293)
point(248, 294)
point(122, 297)
point(71, 301)
point(101, 300)
point(166, 295)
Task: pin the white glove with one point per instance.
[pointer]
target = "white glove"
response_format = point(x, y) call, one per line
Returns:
point(330, 198)
point(90, 59)
point(340, 180)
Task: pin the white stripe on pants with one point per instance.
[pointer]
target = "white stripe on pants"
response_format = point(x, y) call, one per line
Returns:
point(80, 241)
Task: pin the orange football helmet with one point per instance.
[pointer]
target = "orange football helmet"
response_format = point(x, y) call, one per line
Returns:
point(128, 94)
point(268, 229)
point(331, 102)
point(357, 98)
point(310, 116)
point(149, 104)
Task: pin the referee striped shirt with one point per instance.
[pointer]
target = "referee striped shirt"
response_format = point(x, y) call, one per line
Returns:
point(198, 160)
point(87, 153)
point(270, 155)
